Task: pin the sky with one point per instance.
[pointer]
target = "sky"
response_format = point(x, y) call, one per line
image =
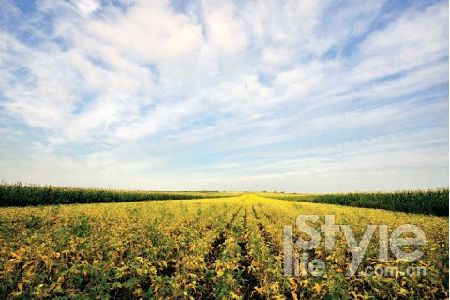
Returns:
point(304, 96)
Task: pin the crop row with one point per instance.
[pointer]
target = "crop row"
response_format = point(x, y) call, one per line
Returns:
point(24, 195)
point(430, 202)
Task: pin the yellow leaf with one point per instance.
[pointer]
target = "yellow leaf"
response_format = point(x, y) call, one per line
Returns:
point(403, 292)
point(317, 288)
point(274, 286)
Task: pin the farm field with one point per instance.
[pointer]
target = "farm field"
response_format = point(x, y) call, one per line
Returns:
point(431, 202)
point(19, 194)
point(210, 248)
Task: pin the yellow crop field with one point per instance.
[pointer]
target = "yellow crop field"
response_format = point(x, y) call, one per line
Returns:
point(230, 248)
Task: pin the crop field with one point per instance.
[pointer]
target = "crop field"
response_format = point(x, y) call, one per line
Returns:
point(210, 248)
point(19, 194)
point(432, 202)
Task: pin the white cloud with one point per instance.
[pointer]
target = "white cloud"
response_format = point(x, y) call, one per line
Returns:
point(87, 7)
point(149, 32)
point(225, 31)
point(373, 164)
point(45, 92)
point(165, 117)
point(413, 40)
point(224, 77)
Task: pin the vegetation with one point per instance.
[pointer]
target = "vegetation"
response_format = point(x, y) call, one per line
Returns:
point(22, 195)
point(430, 202)
point(212, 248)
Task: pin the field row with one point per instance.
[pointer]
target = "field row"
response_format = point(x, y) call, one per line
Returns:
point(430, 202)
point(27, 195)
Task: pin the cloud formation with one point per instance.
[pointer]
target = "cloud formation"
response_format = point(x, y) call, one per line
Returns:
point(225, 94)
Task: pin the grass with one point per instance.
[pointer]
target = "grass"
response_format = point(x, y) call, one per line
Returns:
point(210, 248)
point(430, 202)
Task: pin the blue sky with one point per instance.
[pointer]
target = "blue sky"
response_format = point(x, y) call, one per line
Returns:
point(225, 95)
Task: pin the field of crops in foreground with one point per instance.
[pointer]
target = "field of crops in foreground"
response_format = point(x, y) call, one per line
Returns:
point(215, 248)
